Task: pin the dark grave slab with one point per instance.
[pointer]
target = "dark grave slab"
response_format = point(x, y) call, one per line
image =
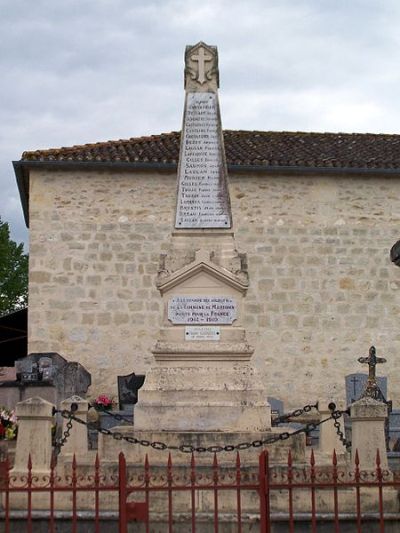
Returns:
point(128, 387)
point(276, 406)
point(394, 429)
point(48, 375)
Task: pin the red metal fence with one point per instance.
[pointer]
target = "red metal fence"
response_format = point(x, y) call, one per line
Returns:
point(199, 496)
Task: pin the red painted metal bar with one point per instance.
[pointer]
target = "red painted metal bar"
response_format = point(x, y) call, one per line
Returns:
point(263, 472)
point(380, 491)
point(96, 494)
point(215, 485)
point(51, 481)
point(193, 492)
point(29, 525)
point(147, 489)
point(122, 493)
point(238, 493)
point(335, 491)
point(74, 495)
point(6, 473)
point(290, 491)
point(169, 484)
point(312, 483)
point(357, 479)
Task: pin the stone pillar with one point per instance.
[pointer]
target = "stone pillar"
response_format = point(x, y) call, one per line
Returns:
point(368, 432)
point(35, 418)
point(328, 437)
point(77, 442)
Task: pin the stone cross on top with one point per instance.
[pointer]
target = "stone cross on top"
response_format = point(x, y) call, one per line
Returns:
point(201, 68)
point(201, 58)
point(372, 390)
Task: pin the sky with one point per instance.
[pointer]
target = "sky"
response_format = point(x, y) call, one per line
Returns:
point(81, 71)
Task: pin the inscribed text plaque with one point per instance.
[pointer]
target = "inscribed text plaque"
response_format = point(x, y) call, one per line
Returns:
point(202, 333)
point(203, 200)
point(202, 310)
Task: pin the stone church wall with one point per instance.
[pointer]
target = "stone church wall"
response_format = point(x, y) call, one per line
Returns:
point(322, 288)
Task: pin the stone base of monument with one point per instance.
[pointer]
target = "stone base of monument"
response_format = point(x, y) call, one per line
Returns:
point(135, 453)
point(203, 397)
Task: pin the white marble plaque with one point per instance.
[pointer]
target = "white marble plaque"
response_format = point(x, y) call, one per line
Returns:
point(201, 310)
point(202, 333)
point(203, 200)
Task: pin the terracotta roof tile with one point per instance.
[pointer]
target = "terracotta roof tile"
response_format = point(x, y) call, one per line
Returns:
point(254, 148)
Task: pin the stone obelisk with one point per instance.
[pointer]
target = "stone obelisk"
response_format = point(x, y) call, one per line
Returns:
point(202, 379)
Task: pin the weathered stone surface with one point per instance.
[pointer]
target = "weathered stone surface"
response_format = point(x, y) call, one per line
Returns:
point(35, 417)
point(368, 432)
point(285, 224)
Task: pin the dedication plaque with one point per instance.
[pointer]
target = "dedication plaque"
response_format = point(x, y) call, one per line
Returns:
point(202, 333)
point(201, 310)
point(203, 200)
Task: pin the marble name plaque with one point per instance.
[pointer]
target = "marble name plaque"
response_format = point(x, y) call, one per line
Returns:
point(203, 200)
point(202, 333)
point(201, 310)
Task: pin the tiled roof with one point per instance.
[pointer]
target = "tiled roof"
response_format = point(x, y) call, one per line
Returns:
point(254, 148)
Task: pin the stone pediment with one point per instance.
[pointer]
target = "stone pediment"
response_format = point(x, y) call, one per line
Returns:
point(202, 270)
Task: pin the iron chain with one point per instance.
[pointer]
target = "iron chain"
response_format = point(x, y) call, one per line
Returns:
point(60, 443)
point(189, 448)
point(332, 407)
point(293, 414)
point(120, 418)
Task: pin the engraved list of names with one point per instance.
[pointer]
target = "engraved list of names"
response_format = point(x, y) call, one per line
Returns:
point(202, 191)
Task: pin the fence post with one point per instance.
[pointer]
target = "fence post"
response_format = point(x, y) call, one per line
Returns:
point(263, 480)
point(368, 432)
point(77, 442)
point(35, 418)
point(122, 494)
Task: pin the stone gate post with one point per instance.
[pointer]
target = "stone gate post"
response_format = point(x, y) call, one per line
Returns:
point(328, 437)
point(368, 432)
point(77, 442)
point(35, 418)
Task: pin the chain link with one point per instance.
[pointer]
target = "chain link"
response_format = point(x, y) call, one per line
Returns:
point(60, 443)
point(189, 448)
point(293, 414)
point(332, 407)
point(120, 418)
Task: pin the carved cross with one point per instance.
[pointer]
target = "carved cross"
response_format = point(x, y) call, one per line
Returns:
point(354, 380)
point(201, 58)
point(372, 389)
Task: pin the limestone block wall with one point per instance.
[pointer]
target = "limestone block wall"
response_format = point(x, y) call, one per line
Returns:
point(322, 288)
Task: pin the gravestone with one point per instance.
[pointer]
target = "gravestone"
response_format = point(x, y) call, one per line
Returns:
point(394, 429)
point(128, 387)
point(356, 383)
point(276, 406)
point(47, 375)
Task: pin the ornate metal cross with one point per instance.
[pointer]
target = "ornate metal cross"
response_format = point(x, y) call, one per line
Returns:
point(372, 390)
point(201, 57)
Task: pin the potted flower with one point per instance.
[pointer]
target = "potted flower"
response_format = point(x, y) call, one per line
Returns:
point(8, 424)
point(103, 403)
